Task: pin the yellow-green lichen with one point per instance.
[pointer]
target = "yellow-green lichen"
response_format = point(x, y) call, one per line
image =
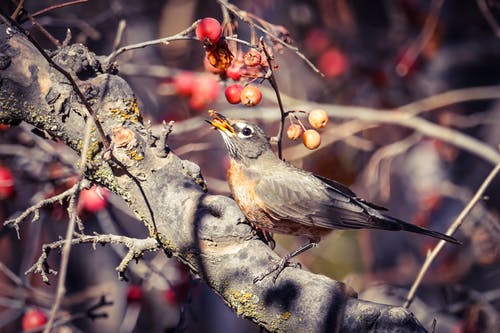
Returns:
point(131, 111)
point(135, 155)
point(245, 303)
point(285, 316)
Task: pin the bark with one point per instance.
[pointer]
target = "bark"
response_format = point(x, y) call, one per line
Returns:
point(166, 194)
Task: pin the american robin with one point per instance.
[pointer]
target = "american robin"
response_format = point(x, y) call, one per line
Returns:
point(281, 198)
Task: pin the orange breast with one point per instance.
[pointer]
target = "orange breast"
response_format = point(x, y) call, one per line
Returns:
point(243, 189)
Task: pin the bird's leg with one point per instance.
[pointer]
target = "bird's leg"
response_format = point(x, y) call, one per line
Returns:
point(284, 262)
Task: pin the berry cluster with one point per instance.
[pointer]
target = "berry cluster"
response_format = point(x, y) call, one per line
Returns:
point(220, 60)
point(252, 65)
point(310, 137)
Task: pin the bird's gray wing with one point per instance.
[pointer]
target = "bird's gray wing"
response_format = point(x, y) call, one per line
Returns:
point(303, 198)
point(342, 189)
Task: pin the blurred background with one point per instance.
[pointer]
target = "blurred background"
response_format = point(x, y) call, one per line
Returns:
point(373, 54)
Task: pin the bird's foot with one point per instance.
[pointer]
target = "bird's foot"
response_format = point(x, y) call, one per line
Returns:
point(277, 269)
point(284, 262)
point(262, 234)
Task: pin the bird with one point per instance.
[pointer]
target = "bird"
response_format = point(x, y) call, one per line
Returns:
point(278, 197)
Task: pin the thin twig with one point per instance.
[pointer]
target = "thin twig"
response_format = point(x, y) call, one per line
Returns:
point(10, 274)
point(483, 6)
point(183, 35)
point(61, 288)
point(244, 17)
point(34, 209)
point(389, 152)
point(274, 85)
point(450, 97)
point(61, 5)
point(73, 217)
point(451, 230)
point(18, 10)
point(119, 34)
point(44, 31)
point(425, 36)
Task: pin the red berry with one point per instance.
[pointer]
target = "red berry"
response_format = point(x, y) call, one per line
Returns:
point(134, 293)
point(170, 296)
point(294, 131)
point(234, 71)
point(318, 118)
point(93, 199)
point(209, 29)
point(233, 93)
point(6, 183)
point(311, 139)
point(251, 95)
point(332, 62)
point(32, 319)
point(205, 91)
point(184, 83)
point(316, 41)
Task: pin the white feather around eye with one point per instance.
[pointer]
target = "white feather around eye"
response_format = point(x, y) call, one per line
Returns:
point(244, 130)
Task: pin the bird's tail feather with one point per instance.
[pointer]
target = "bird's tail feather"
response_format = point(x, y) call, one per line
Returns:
point(419, 230)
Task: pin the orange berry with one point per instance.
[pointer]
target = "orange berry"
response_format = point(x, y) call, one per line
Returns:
point(311, 139)
point(251, 95)
point(294, 131)
point(318, 118)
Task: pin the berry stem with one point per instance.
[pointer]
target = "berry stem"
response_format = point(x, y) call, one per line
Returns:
point(272, 80)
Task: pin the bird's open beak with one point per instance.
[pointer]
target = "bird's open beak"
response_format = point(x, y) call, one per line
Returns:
point(220, 122)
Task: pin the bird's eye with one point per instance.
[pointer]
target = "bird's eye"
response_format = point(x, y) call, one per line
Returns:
point(246, 132)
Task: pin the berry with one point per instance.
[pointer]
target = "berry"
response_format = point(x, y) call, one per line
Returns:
point(318, 118)
point(311, 139)
point(234, 71)
point(134, 294)
point(233, 93)
point(205, 91)
point(251, 95)
point(332, 62)
point(294, 131)
point(252, 58)
point(6, 183)
point(209, 29)
point(316, 41)
point(32, 319)
point(93, 199)
point(184, 83)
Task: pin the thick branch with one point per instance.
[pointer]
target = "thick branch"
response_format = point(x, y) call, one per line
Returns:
point(164, 191)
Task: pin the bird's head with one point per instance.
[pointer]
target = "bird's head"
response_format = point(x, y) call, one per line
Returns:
point(244, 141)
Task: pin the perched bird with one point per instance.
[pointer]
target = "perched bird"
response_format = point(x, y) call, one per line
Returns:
point(281, 198)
